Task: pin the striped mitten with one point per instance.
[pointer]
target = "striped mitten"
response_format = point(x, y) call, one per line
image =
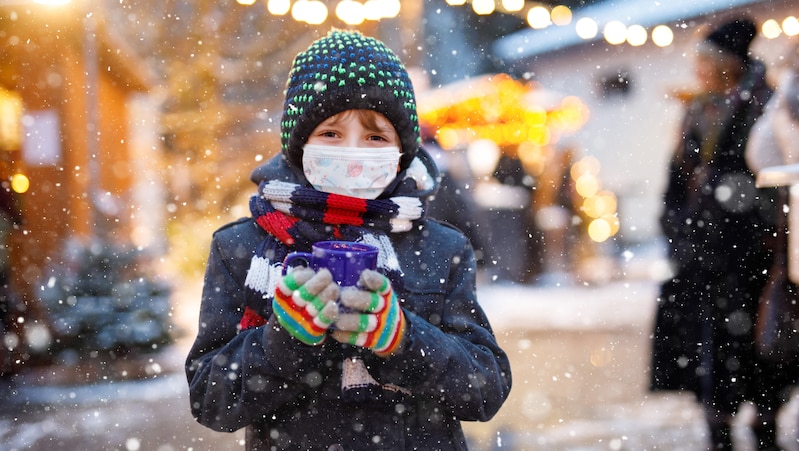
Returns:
point(305, 304)
point(376, 321)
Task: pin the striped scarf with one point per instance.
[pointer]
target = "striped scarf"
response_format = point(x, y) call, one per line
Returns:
point(296, 217)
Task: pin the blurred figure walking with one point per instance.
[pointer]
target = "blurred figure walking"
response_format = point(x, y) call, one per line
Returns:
point(454, 201)
point(717, 223)
point(774, 141)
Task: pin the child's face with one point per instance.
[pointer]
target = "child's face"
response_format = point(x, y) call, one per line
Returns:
point(355, 153)
point(355, 128)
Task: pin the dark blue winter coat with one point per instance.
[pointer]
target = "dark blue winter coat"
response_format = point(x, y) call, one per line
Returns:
point(288, 394)
point(717, 223)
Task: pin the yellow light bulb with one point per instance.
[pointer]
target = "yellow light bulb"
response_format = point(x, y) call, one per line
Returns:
point(20, 183)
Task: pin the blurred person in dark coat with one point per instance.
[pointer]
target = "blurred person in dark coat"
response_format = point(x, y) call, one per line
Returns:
point(774, 141)
point(454, 201)
point(717, 223)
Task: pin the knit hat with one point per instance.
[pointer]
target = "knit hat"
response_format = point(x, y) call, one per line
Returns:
point(734, 37)
point(346, 70)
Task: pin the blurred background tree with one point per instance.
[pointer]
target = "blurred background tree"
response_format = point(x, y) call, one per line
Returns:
point(221, 70)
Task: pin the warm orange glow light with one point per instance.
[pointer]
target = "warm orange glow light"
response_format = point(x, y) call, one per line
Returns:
point(20, 183)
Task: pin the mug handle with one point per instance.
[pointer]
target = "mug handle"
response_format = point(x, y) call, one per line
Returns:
point(294, 257)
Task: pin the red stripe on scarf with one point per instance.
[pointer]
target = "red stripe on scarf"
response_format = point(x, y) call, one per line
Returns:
point(277, 224)
point(251, 319)
point(344, 210)
point(338, 216)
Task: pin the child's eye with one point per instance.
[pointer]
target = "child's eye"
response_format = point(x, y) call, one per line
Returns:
point(328, 134)
point(377, 138)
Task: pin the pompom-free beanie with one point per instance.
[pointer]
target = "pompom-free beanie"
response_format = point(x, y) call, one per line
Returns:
point(734, 37)
point(346, 70)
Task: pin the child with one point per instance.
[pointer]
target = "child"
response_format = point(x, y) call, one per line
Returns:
point(414, 354)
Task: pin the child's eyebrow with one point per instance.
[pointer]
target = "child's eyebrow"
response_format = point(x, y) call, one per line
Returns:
point(380, 126)
point(381, 129)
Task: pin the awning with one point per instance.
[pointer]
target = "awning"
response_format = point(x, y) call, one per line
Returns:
point(500, 108)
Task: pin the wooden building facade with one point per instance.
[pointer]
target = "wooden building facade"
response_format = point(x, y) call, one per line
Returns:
point(65, 86)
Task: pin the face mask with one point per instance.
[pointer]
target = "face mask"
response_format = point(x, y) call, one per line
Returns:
point(362, 172)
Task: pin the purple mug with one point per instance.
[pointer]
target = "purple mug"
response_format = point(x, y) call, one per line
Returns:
point(344, 259)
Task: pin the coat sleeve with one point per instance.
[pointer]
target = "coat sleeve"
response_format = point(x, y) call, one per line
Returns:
point(235, 377)
point(762, 147)
point(677, 181)
point(450, 356)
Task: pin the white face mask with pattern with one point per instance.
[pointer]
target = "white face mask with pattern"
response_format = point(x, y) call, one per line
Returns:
point(362, 172)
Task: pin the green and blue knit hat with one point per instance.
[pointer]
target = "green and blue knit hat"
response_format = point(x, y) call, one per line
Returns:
point(346, 70)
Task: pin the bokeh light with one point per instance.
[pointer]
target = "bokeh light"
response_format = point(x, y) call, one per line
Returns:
point(20, 183)
point(636, 35)
point(375, 10)
point(586, 165)
point(513, 5)
point(662, 36)
point(278, 7)
point(586, 185)
point(599, 230)
point(538, 17)
point(312, 12)
point(350, 12)
point(483, 7)
point(600, 204)
point(771, 29)
point(390, 8)
point(483, 156)
point(448, 138)
point(615, 32)
point(561, 15)
point(533, 157)
point(790, 26)
point(587, 28)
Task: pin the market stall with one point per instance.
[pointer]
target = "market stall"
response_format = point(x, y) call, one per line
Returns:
point(537, 198)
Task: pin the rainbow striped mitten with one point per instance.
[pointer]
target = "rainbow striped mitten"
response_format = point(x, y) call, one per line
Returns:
point(305, 304)
point(377, 321)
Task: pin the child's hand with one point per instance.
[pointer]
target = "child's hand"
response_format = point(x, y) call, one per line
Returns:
point(305, 304)
point(378, 322)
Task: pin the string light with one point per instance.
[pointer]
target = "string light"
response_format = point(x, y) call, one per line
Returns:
point(483, 7)
point(615, 32)
point(561, 15)
point(538, 17)
point(355, 12)
point(20, 183)
point(662, 36)
point(315, 12)
point(771, 29)
point(278, 7)
point(636, 35)
point(587, 28)
point(513, 5)
point(790, 26)
point(350, 12)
